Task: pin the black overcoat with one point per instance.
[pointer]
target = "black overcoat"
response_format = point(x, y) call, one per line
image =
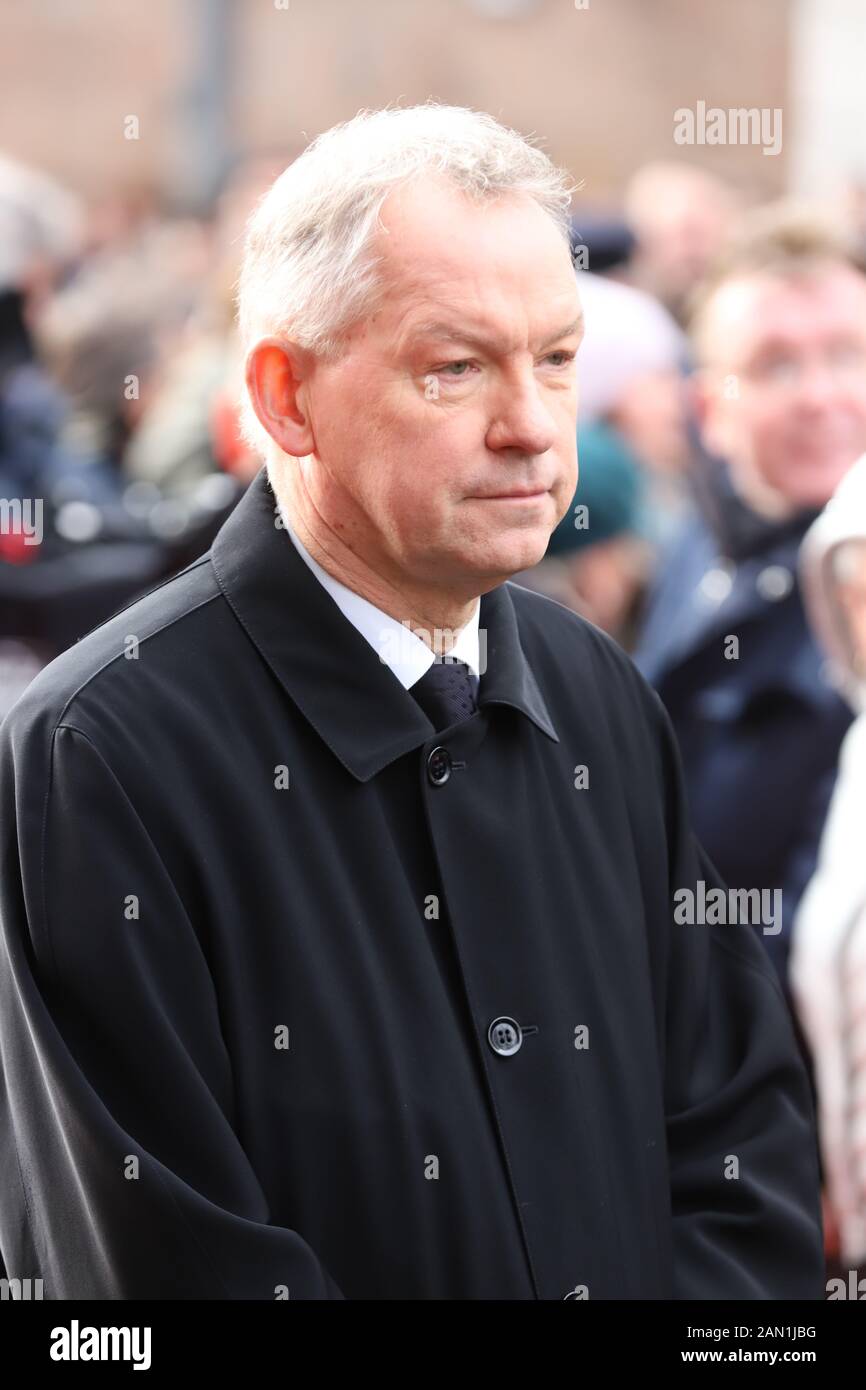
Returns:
point(255, 935)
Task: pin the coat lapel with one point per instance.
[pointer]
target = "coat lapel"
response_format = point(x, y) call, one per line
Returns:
point(349, 696)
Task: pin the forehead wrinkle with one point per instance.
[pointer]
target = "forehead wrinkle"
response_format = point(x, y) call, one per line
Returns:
point(444, 331)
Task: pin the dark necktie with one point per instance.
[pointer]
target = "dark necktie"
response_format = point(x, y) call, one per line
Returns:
point(447, 693)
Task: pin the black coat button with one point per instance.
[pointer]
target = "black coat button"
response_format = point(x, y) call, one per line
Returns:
point(505, 1036)
point(439, 766)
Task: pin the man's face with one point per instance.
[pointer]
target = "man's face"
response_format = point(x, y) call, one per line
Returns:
point(459, 390)
point(785, 399)
point(684, 232)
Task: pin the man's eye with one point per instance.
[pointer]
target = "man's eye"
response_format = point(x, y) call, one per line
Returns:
point(450, 366)
point(781, 369)
point(457, 371)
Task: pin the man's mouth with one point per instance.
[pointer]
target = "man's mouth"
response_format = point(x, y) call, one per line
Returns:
point(516, 494)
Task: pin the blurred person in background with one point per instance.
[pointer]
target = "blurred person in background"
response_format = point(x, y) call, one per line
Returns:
point(116, 333)
point(41, 227)
point(46, 470)
point(780, 396)
point(189, 422)
point(828, 944)
point(634, 359)
point(681, 217)
point(93, 306)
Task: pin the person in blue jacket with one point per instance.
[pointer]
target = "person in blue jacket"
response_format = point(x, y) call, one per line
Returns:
point(779, 336)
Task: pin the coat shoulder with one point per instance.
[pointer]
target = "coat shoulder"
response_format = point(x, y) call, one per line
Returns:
point(79, 684)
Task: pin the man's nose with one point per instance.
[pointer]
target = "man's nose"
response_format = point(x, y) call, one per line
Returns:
point(521, 419)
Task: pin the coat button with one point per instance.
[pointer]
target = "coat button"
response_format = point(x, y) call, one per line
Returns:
point(505, 1036)
point(439, 766)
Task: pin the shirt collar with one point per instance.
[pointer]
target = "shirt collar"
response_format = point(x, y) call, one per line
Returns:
point(349, 695)
point(395, 643)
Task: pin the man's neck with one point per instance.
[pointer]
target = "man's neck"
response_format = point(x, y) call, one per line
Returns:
point(437, 618)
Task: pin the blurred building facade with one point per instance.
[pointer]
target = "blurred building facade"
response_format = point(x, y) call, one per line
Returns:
point(158, 95)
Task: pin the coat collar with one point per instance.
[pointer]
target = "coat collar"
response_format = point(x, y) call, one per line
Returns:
point(351, 698)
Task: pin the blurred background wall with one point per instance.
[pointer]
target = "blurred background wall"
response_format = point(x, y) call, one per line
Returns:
point(209, 78)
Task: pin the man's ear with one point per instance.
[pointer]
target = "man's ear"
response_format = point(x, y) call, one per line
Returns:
point(275, 374)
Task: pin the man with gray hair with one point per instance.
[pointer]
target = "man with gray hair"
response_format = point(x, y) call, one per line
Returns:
point(338, 956)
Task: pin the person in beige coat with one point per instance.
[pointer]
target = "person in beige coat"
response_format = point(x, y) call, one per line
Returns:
point(828, 952)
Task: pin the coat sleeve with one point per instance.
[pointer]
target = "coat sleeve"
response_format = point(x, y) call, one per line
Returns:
point(742, 1142)
point(123, 1173)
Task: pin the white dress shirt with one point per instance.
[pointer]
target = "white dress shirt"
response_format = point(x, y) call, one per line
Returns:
point(407, 655)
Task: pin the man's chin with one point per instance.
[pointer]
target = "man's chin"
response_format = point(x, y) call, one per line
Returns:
point(511, 556)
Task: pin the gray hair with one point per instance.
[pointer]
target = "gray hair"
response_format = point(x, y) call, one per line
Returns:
point(308, 273)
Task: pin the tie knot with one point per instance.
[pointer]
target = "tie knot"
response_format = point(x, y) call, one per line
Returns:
point(447, 692)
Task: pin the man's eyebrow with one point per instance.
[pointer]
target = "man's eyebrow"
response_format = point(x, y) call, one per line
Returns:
point(448, 332)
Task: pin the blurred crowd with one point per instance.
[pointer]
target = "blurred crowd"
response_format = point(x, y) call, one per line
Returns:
point(718, 530)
